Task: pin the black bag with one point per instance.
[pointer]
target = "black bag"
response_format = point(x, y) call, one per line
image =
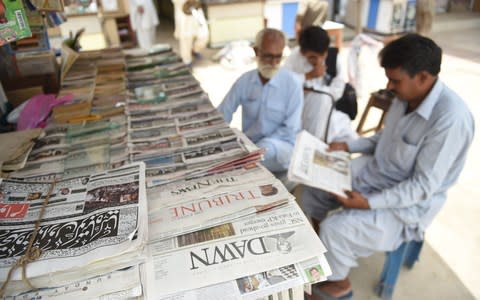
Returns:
point(348, 101)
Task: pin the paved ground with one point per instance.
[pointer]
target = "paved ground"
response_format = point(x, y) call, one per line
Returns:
point(449, 264)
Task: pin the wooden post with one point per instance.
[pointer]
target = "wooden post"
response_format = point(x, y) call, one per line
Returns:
point(3, 99)
point(358, 25)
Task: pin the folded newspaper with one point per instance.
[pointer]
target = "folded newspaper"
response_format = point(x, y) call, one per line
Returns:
point(314, 166)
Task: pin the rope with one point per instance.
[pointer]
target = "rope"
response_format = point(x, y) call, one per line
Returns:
point(32, 253)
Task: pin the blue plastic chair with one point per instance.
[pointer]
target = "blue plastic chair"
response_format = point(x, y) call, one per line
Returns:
point(407, 254)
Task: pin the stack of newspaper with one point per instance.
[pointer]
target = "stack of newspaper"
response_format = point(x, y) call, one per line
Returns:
point(89, 134)
point(238, 234)
point(92, 234)
point(16, 147)
point(220, 225)
point(172, 125)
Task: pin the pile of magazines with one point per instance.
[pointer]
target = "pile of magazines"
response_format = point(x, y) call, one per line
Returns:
point(161, 201)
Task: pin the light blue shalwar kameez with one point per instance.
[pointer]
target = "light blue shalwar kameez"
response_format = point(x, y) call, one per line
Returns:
point(271, 113)
point(405, 174)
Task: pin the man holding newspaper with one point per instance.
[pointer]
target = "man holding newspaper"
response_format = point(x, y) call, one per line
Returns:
point(400, 182)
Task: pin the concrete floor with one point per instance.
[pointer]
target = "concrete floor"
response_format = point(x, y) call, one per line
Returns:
point(449, 263)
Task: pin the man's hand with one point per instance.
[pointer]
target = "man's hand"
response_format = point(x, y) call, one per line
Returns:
point(318, 70)
point(335, 146)
point(353, 200)
point(140, 9)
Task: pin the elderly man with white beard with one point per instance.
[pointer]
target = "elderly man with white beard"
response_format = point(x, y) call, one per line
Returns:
point(272, 101)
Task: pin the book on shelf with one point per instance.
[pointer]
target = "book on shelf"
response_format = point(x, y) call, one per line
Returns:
point(13, 22)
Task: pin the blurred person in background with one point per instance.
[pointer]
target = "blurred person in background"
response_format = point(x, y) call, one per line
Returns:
point(144, 20)
point(191, 29)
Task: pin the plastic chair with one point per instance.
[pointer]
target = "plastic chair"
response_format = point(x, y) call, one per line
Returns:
point(407, 254)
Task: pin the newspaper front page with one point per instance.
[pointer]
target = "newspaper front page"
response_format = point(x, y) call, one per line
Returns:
point(89, 218)
point(187, 189)
point(196, 214)
point(261, 242)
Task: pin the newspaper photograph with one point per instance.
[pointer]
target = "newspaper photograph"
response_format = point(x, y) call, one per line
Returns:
point(314, 166)
point(269, 282)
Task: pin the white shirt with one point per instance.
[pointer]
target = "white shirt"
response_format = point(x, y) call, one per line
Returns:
point(188, 25)
point(317, 107)
point(146, 20)
point(299, 64)
point(416, 157)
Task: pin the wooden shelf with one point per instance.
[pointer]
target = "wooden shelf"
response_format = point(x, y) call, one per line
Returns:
point(128, 38)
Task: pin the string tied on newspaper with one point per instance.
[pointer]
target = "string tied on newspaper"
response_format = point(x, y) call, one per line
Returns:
point(32, 253)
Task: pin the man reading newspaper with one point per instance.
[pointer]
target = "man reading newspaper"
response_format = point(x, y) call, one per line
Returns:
point(400, 183)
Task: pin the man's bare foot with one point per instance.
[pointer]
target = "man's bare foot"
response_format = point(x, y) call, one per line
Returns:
point(335, 289)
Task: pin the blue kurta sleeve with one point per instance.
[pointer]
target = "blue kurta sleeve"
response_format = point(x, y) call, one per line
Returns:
point(441, 155)
point(231, 101)
point(293, 122)
point(364, 145)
